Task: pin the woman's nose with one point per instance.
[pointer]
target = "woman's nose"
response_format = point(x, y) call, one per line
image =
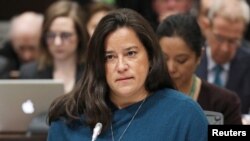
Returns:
point(122, 64)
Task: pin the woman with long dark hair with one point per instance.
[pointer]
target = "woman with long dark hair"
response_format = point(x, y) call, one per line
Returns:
point(181, 40)
point(126, 88)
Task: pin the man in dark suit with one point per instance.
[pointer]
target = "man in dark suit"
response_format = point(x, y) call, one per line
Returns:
point(225, 62)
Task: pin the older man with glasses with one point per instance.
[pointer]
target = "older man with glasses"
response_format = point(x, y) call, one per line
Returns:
point(22, 45)
point(225, 62)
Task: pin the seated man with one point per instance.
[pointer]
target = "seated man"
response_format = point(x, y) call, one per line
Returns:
point(225, 61)
point(22, 46)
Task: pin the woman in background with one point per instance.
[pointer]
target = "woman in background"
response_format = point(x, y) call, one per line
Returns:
point(63, 44)
point(181, 41)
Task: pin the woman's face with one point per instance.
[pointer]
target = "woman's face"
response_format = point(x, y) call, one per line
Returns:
point(127, 65)
point(62, 38)
point(180, 59)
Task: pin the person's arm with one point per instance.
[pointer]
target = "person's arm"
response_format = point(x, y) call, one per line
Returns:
point(233, 111)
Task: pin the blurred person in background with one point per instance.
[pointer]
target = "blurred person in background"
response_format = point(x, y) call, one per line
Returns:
point(225, 62)
point(96, 11)
point(181, 40)
point(23, 44)
point(201, 9)
point(63, 44)
point(144, 7)
point(165, 8)
point(156, 10)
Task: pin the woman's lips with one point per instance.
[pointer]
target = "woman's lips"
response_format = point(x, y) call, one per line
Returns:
point(124, 78)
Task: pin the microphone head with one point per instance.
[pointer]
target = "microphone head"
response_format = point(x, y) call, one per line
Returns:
point(98, 125)
point(98, 128)
point(96, 131)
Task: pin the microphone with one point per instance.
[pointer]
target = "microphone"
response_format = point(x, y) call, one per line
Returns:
point(96, 131)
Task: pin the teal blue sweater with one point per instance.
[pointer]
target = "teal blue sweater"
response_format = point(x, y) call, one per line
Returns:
point(167, 115)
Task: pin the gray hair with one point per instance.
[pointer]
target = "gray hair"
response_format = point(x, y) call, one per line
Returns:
point(26, 22)
point(230, 9)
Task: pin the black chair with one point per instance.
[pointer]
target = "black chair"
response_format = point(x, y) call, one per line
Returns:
point(38, 125)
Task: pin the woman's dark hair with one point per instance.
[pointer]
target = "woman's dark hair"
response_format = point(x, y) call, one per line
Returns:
point(73, 11)
point(90, 97)
point(184, 26)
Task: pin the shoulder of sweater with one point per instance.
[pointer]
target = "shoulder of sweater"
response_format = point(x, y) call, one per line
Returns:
point(172, 94)
point(180, 100)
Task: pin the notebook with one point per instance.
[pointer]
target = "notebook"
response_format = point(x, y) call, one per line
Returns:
point(22, 100)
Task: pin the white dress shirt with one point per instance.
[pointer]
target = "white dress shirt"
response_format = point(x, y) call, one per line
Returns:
point(212, 65)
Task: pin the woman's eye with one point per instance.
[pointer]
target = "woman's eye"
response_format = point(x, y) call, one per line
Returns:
point(181, 61)
point(109, 57)
point(131, 53)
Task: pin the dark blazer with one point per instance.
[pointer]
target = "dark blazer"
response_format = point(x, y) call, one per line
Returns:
point(238, 77)
point(213, 98)
point(8, 52)
point(3, 67)
point(13, 63)
point(246, 45)
point(30, 71)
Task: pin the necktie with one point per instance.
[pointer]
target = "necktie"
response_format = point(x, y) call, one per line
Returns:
point(217, 80)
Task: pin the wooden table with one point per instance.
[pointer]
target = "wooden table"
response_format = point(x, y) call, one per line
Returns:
point(22, 137)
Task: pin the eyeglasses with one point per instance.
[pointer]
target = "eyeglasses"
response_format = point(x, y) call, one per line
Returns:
point(64, 36)
point(222, 39)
